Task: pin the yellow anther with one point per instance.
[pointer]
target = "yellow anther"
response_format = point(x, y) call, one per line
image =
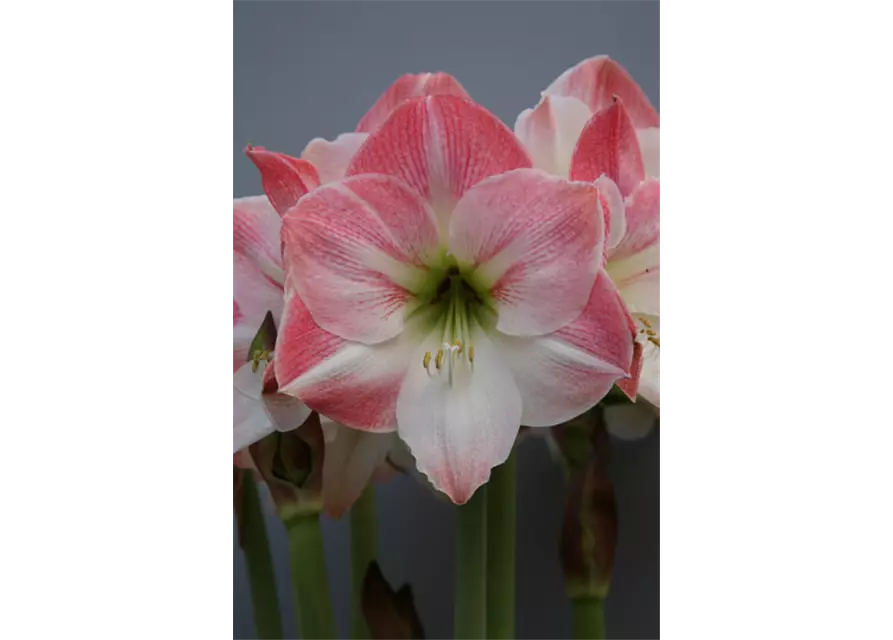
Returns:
point(471, 353)
point(426, 362)
point(438, 361)
point(655, 341)
point(260, 355)
point(645, 322)
point(651, 332)
point(458, 343)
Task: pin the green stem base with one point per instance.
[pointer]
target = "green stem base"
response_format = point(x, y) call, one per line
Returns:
point(501, 551)
point(310, 581)
point(470, 621)
point(259, 561)
point(589, 618)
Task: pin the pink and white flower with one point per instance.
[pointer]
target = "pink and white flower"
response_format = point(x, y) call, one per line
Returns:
point(595, 124)
point(447, 290)
point(352, 457)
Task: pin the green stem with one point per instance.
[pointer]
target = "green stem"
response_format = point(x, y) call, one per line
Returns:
point(363, 547)
point(309, 578)
point(267, 620)
point(470, 620)
point(589, 618)
point(501, 551)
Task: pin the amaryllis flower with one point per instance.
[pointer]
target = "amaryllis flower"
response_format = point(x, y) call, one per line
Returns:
point(449, 291)
point(257, 298)
point(352, 457)
point(594, 123)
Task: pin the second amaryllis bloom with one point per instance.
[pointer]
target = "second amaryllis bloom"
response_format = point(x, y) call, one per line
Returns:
point(447, 290)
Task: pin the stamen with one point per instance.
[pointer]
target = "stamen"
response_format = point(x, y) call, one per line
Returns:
point(655, 341)
point(266, 354)
point(471, 353)
point(426, 361)
point(438, 361)
point(651, 332)
point(458, 344)
point(645, 322)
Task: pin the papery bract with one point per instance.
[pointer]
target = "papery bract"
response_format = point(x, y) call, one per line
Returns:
point(448, 291)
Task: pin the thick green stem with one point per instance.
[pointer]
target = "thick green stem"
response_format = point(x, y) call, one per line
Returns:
point(589, 618)
point(470, 620)
point(309, 579)
point(267, 620)
point(363, 548)
point(501, 551)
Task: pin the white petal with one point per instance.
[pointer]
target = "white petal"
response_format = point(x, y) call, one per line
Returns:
point(458, 433)
point(649, 143)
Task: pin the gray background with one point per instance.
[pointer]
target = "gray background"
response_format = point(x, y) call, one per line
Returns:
point(302, 70)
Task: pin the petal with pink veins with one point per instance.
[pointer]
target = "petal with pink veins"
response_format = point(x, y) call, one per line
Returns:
point(440, 146)
point(642, 215)
point(285, 179)
point(550, 132)
point(256, 228)
point(615, 211)
point(331, 158)
point(535, 242)
point(609, 146)
point(356, 250)
point(563, 374)
point(649, 144)
point(406, 87)
point(460, 426)
point(349, 382)
point(597, 80)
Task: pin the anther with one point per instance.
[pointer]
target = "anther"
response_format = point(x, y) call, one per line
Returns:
point(426, 361)
point(651, 332)
point(645, 322)
point(458, 343)
point(438, 361)
point(471, 353)
point(653, 340)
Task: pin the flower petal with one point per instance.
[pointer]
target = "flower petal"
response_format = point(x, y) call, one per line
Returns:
point(535, 241)
point(458, 432)
point(331, 158)
point(256, 228)
point(356, 250)
point(649, 145)
point(550, 132)
point(406, 87)
point(609, 146)
point(649, 381)
point(615, 211)
point(258, 409)
point(563, 374)
point(440, 146)
point(351, 458)
point(349, 382)
point(595, 81)
point(642, 214)
point(285, 179)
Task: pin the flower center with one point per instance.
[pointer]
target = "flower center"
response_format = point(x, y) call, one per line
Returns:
point(647, 332)
point(460, 311)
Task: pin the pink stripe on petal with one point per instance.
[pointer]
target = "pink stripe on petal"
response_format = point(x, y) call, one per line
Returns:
point(406, 87)
point(355, 251)
point(642, 212)
point(608, 145)
point(285, 179)
point(440, 146)
point(595, 81)
point(563, 374)
point(536, 241)
point(256, 227)
point(331, 158)
point(351, 383)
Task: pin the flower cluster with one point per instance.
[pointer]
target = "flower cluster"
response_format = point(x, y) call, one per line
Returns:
point(434, 280)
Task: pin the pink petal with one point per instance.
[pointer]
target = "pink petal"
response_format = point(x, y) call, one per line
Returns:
point(256, 227)
point(630, 386)
point(595, 81)
point(356, 250)
point(536, 242)
point(405, 88)
point(285, 179)
point(563, 374)
point(349, 382)
point(642, 213)
point(351, 458)
point(441, 146)
point(609, 146)
point(459, 427)
point(550, 132)
point(331, 158)
point(649, 144)
point(615, 211)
